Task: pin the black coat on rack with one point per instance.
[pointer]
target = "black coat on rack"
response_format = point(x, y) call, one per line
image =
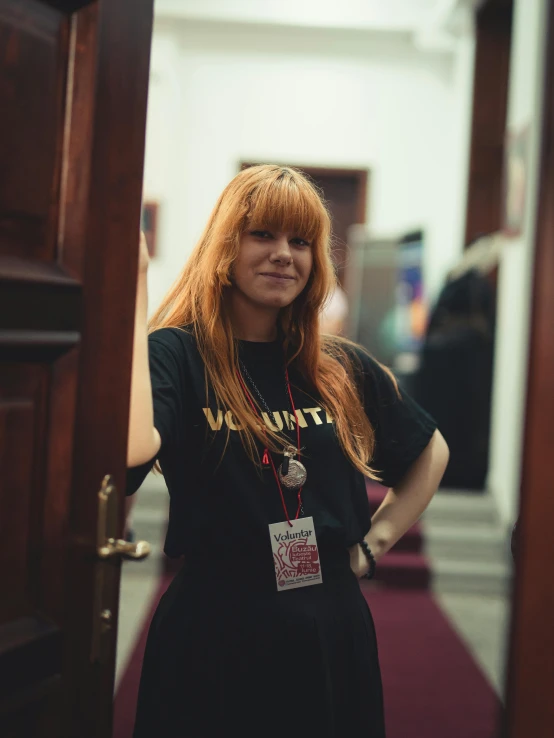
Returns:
point(454, 380)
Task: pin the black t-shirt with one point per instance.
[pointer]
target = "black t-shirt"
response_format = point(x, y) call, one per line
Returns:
point(220, 501)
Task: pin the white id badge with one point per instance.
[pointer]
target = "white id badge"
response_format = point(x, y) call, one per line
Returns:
point(295, 554)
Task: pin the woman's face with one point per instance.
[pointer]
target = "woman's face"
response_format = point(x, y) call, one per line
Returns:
point(272, 268)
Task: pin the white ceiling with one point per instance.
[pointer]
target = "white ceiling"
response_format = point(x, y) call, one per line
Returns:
point(412, 16)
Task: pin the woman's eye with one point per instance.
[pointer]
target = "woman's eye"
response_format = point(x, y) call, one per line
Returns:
point(300, 242)
point(260, 234)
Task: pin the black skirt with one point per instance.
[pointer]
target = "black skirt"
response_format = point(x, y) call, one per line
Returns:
point(229, 655)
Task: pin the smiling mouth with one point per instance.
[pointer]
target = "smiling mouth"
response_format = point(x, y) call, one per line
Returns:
point(276, 275)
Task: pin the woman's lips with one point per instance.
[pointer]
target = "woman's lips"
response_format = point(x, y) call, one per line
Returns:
point(276, 275)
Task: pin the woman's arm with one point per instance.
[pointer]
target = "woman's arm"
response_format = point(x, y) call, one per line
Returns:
point(144, 440)
point(404, 504)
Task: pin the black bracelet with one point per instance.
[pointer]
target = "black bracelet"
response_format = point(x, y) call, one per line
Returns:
point(370, 557)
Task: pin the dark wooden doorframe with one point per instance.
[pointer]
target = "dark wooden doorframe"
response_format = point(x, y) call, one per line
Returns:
point(530, 687)
point(490, 105)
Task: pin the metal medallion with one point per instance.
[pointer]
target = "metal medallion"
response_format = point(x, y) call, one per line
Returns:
point(296, 476)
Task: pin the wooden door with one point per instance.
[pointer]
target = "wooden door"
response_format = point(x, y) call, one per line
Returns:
point(530, 689)
point(73, 90)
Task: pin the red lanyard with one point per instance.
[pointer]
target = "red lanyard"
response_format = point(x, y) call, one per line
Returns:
point(267, 457)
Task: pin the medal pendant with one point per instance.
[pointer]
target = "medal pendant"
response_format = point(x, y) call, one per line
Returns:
point(292, 473)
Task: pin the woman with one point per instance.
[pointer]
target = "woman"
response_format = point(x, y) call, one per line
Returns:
point(264, 431)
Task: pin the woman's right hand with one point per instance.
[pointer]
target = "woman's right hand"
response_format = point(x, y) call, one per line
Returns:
point(144, 256)
point(358, 561)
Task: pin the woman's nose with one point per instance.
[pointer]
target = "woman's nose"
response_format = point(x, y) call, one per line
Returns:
point(282, 250)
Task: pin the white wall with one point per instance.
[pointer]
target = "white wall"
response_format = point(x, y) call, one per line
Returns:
point(225, 93)
point(164, 177)
point(525, 108)
point(399, 14)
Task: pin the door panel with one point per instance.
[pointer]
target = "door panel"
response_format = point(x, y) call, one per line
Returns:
point(73, 90)
point(34, 39)
point(22, 411)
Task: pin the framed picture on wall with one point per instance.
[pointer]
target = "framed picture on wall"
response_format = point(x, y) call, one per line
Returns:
point(149, 224)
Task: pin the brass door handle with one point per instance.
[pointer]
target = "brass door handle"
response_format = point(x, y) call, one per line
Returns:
point(106, 577)
point(108, 546)
point(135, 551)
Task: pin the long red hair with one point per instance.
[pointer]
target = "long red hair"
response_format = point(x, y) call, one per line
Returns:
point(284, 199)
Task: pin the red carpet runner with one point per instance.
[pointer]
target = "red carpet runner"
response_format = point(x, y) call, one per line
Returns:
point(433, 687)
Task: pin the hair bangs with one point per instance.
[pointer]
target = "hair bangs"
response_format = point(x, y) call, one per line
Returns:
point(287, 203)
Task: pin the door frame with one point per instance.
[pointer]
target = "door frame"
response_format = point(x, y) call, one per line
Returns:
point(491, 77)
point(530, 680)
